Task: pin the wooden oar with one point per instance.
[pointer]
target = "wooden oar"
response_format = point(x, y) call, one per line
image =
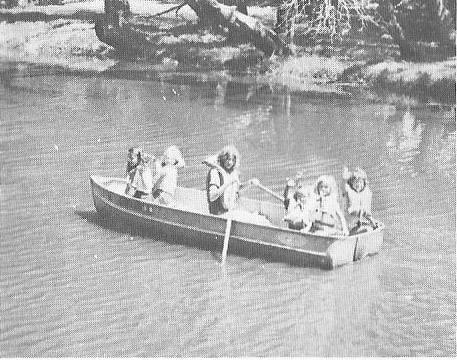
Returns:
point(271, 192)
point(228, 227)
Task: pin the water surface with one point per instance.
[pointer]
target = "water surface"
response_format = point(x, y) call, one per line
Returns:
point(72, 286)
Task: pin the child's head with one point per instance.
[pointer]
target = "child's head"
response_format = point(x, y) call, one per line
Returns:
point(228, 158)
point(132, 155)
point(358, 180)
point(172, 156)
point(144, 158)
point(325, 185)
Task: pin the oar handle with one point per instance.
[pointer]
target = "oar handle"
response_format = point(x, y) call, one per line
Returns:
point(272, 193)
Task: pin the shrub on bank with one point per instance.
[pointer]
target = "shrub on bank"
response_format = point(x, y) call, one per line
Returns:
point(425, 81)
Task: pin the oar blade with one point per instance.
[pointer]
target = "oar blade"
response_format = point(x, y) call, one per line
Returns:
point(228, 227)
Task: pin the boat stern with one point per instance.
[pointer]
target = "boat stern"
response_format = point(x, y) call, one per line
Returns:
point(341, 251)
point(353, 248)
point(369, 243)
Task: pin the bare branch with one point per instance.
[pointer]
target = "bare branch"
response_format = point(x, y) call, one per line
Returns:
point(332, 18)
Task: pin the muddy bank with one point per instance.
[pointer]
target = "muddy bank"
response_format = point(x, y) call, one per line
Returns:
point(67, 43)
point(65, 36)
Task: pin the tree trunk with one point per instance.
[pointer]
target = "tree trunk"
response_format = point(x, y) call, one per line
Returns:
point(446, 23)
point(242, 7)
point(220, 16)
point(285, 19)
point(116, 11)
point(118, 32)
point(443, 25)
point(407, 49)
point(115, 31)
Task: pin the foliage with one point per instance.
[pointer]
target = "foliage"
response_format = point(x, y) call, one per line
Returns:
point(335, 17)
point(8, 3)
point(420, 20)
point(13, 3)
point(329, 18)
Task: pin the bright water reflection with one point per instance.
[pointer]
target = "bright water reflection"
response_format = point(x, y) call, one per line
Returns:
point(72, 285)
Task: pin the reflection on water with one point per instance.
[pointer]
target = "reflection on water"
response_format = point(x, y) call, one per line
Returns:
point(422, 146)
point(74, 286)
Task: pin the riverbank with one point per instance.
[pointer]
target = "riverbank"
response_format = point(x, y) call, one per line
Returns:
point(65, 36)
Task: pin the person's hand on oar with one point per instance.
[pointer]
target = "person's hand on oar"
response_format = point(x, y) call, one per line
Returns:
point(250, 182)
point(267, 190)
point(256, 182)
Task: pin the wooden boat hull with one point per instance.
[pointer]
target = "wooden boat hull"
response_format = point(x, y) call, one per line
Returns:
point(193, 225)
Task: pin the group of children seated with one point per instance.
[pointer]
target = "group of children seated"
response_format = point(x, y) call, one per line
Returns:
point(308, 208)
point(160, 187)
point(316, 208)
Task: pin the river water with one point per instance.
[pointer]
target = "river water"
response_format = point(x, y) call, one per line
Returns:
point(72, 286)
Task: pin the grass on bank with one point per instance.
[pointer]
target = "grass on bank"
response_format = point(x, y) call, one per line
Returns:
point(73, 43)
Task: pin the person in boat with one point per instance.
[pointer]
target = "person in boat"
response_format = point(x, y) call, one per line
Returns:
point(132, 162)
point(140, 176)
point(328, 219)
point(358, 199)
point(289, 193)
point(292, 184)
point(299, 206)
point(223, 181)
point(166, 178)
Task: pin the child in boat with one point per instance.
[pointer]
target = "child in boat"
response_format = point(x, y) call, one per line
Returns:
point(223, 186)
point(141, 176)
point(223, 181)
point(328, 219)
point(291, 186)
point(289, 192)
point(358, 199)
point(132, 162)
point(299, 207)
point(166, 178)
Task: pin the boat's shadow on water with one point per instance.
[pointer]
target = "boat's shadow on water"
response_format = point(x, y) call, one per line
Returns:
point(94, 217)
point(126, 228)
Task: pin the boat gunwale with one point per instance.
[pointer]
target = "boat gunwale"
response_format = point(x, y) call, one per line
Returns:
point(93, 178)
point(242, 238)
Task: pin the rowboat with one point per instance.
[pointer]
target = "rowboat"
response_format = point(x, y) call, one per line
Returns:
point(189, 222)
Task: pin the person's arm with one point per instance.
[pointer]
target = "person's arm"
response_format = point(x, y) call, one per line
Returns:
point(214, 184)
point(157, 180)
point(352, 208)
point(343, 221)
point(132, 182)
point(340, 214)
point(307, 227)
point(215, 191)
point(159, 174)
point(366, 211)
point(367, 197)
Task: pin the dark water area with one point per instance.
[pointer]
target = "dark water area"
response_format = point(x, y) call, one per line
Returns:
point(72, 286)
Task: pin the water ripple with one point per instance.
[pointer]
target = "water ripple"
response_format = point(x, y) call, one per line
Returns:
point(71, 285)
